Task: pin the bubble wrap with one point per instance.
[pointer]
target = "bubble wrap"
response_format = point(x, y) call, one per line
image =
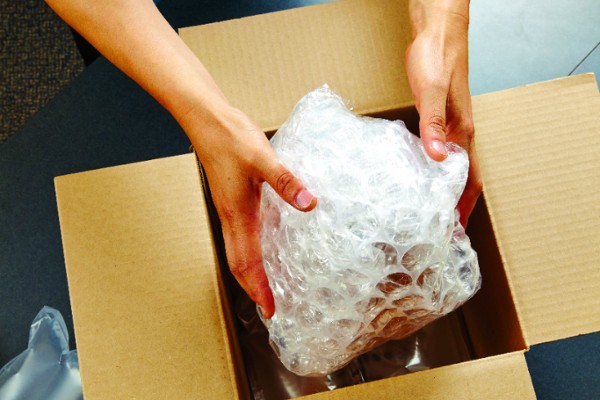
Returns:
point(383, 252)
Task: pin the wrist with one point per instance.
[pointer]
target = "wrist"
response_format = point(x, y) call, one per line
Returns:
point(211, 125)
point(438, 16)
point(200, 113)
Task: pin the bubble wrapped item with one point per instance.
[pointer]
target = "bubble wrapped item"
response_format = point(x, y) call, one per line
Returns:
point(383, 252)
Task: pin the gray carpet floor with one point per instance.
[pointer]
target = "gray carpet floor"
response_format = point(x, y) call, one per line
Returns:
point(38, 57)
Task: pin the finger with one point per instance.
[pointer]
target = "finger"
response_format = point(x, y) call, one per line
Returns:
point(473, 189)
point(432, 122)
point(460, 130)
point(459, 115)
point(288, 186)
point(244, 255)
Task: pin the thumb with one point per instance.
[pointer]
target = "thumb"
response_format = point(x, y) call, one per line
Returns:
point(288, 186)
point(432, 123)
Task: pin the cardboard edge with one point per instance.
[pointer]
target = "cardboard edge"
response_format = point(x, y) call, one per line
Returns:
point(234, 355)
point(504, 333)
point(405, 111)
point(441, 383)
point(585, 79)
point(502, 253)
point(59, 181)
point(228, 21)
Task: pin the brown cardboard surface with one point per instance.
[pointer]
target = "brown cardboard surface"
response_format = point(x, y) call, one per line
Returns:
point(539, 147)
point(499, 377)
point(501, 333)
point(143, 283)
point(266, 63)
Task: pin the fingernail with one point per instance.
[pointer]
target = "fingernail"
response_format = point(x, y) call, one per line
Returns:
point(439, 147)
point(304, 198)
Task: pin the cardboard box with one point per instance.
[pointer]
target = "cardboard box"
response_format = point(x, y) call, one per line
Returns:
point(150, 310)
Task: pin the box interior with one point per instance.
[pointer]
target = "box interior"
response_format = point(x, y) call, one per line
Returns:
point(486, 325)
point(490, 316)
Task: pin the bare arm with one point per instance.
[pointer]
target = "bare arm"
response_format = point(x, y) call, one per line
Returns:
point(437, 67)
point(235, 153)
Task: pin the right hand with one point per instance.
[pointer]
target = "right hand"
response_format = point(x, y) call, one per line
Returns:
point(235, 153)
point(237, 158)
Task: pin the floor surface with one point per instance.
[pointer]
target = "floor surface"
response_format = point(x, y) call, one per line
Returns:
point(524, 41)
point(38, 58)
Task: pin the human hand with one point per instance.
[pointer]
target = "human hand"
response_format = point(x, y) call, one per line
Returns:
point(237, 159)
point(234, 152)
point(437, 69)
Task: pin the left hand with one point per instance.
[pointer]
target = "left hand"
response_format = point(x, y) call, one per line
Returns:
point(437, 68)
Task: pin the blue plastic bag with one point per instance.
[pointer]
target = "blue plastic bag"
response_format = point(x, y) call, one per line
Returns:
point(47, 370)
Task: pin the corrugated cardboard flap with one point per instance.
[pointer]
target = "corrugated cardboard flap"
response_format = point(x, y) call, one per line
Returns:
point(264, 64)
point(143, 282)
point(500, 377)
point(539, 147)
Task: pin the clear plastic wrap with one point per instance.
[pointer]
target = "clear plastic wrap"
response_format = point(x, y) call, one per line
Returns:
point(382, 254)
point(47, 370)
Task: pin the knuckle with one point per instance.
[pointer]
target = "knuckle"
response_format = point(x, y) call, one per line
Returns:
point(251, 158)
point(436, 83)
point(463, 134)
point(478, 185)
point(239, 269)
point(437, 122)
point(475, 186)
point(285, 183)
point(468, 130)
point(227, 214)
point(245, 272)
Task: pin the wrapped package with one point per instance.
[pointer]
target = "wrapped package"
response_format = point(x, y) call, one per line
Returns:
point(381, 255)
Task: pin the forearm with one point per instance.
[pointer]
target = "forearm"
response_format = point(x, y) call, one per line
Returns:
point(437, 61)
point(135, 37)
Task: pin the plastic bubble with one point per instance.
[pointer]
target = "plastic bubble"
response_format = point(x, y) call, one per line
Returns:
point(383, 252)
